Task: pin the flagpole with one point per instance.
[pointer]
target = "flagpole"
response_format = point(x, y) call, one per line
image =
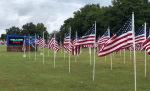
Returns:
point(29, 46)
point(111, 61)
point(24, 50)
point(145, 50)
point(94, 53)
point(75, 50)
point(120, 52)
point(134, 48)
point(35, 47)
point(90, 54)
point(69, 45)
point(64, 49)
point(105, 58)
point(130, 54)
point(43, 47)
point(124, 56)
point(54, 49)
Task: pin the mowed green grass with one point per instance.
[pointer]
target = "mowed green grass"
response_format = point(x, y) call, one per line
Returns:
point(24, 74)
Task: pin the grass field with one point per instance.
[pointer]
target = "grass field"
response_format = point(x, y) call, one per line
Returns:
point(24, 74)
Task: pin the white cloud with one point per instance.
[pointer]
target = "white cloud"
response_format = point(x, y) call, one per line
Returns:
point(51, 13)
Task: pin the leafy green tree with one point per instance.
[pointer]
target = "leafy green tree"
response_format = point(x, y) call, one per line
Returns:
point(3, 36)
point(29, 28)
point(13, 30)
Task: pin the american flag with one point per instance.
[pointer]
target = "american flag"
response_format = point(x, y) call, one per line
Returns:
point(30, 42)
point(104, 37)
point(123, 38)
point(36, 41)
point(52, 43)
point(148, 33)
point(24, 46)
point(60, 43)
point(146, 45)
point(42, 43)
point(140, 35)
point(67, 41)
point(75, 49)
point(88, 39)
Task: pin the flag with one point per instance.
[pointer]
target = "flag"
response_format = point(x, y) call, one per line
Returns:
point(52, 43)
point(75, 49)
point(36, 41)
point(30, 42)
point(146, 45)
point(88, 39)
point(140, 37)
point(123, 38)
point(24, 46)
point(67, 41)
point(42, 43)
point(104, 37)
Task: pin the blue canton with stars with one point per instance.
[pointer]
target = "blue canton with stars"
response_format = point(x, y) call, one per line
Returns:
point(106, 33)
point(74, 37)
point(148, 33)
point(140, 31)
point(68, 33)
point(90, 31)
point(126, 27)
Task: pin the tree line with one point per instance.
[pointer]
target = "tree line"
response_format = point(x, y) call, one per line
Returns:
point(114, 16)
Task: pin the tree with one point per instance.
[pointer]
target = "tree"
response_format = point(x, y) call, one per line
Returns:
point(28, 28)
point(3, 36)
point(13, 30)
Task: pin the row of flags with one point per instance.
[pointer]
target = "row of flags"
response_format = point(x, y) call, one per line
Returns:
point(124, 38)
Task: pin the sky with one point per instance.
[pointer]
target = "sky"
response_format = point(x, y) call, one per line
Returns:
point(52, 13)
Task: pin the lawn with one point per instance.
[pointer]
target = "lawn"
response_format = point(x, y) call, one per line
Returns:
point(24, 74)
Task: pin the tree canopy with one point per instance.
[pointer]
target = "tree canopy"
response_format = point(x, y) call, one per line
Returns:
point(113, 16)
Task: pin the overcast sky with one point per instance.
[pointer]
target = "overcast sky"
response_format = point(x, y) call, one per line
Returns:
point(51, 13)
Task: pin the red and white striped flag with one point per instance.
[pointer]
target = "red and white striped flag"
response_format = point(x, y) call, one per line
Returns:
point(88, 39)
point(24, 46)
point(140, 36)
point(67, 41)
point(42, 43)
point(52, 43)
point(122, 39)
point(75, 49)
point(30, 42)
point(104, 37)
point(146, 45)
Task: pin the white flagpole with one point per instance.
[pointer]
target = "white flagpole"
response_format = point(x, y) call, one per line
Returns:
point(24, 51)
point(64, 53)
point(35, 47)
point(64, 49)
point(54, 49)
point(134, 48)
point(94, 53)
point(29, 46)
point(145, 50)
point(130, 54)
point(120, 52)
point(43, 47)
point(90, 54)
point(77, 49)
point(111, 61)
point(69, 45)
point(124, 56)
